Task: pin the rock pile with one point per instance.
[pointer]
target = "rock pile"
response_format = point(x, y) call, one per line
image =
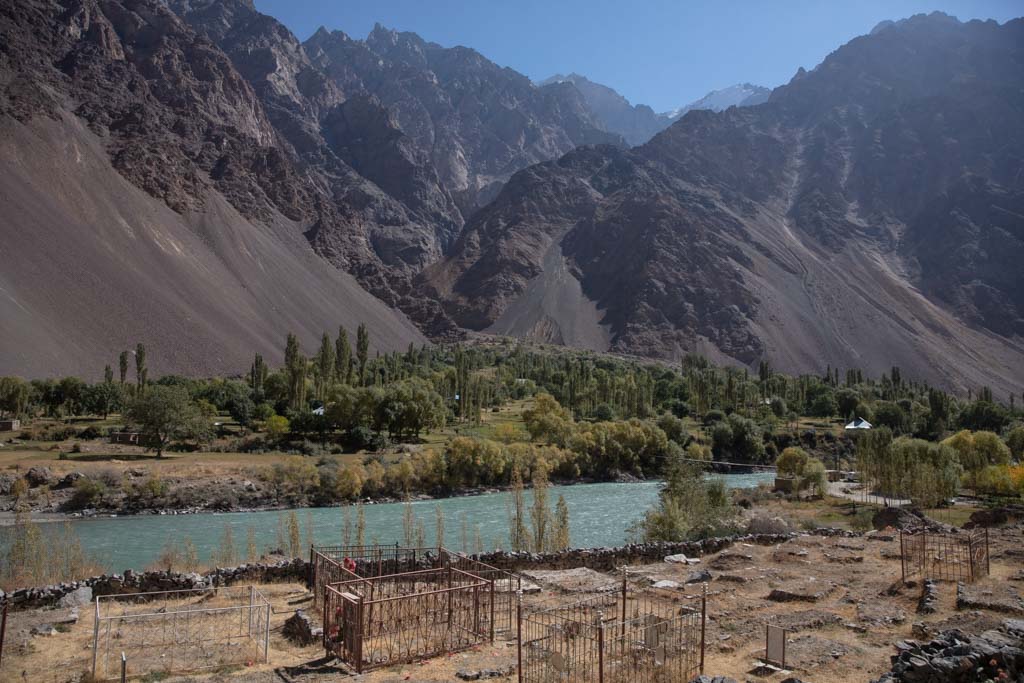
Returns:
point(929, 597)
point(954, 657)
point(300, 630)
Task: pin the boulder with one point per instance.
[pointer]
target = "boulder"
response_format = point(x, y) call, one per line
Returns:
point(79, 597)
point(699, 576)
point(40, 476)
point(680, 558)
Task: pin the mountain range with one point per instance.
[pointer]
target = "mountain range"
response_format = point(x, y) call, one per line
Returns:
point(191, 175)
point(639, 123)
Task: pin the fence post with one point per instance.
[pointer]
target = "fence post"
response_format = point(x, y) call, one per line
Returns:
point(476, 609)
point(903, 558)
point(3, 630)
point(95, 635)
point(266, 631)
point(625, 577)
point(703, 621)
point(124, 668)
point(519, 632)
point(359, 638)
point(970, 559)
point(492, 610)
point(988, 565)
point(311, 572)
point(600, 647)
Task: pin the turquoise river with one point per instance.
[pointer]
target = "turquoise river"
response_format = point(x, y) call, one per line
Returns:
point(600, 515)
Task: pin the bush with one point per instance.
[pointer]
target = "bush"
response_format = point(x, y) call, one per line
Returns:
point(862, 520)
point(88, 493)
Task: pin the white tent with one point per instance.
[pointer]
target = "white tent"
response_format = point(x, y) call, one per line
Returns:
point(859, 423)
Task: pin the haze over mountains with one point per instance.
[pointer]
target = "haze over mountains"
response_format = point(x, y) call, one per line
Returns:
point(639, 123)
point(191, 175)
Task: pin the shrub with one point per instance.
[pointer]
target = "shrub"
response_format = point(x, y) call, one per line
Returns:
point(88, 493)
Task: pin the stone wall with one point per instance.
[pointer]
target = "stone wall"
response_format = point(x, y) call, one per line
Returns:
point(600, 559)
point(607, 559)
point(145, 582)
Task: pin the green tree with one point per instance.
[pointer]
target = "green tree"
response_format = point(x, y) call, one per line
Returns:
point(560, 536)
point(164, 414)
point(343, 358)
point(140, 367)
point(689, 507)
point(14, 395)
point(295, 373)
point(362, 351)
point(123, 363)
point(324, 367)
point(1015, 442)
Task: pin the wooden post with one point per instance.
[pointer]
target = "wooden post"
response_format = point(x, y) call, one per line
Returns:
point(311, 572)
point(519, 632)
point(600, 647)
point(703, 622)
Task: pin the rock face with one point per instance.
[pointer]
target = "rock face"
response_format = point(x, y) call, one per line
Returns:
point(635, 123)
point(866, 215)
point(190, 168)
point(243, 176)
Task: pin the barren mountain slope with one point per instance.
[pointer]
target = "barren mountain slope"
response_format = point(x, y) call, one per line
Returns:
point(867, 216)
point(145, 199)
point(93, 265)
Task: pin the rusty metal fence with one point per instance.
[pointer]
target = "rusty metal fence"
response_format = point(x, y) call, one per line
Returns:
point(166, 632)
point(613, 638)
point(506, 586)
point(962, 556)
point(327, 563)
point(386, 620)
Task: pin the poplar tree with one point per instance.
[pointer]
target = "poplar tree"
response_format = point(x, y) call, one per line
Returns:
point(560, 529)
point(325, 367)
point(343, 357)
point(123, 361)
point(140, 366)
point(295, 371)
point(362, 351)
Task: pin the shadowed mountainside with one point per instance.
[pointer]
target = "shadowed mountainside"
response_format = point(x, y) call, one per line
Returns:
point(867, 215)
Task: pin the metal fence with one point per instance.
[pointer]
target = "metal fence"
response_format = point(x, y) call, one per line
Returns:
point(327, 563)
point(960, 556)
point(386, 620)
point(615, 637)
point(506, 586)
point(179, 631)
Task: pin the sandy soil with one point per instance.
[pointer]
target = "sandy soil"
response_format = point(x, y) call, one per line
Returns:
point(851, 608)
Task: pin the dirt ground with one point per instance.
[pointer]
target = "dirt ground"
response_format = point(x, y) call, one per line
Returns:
point(841, 599)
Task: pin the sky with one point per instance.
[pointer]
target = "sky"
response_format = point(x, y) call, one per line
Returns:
point(664, 53)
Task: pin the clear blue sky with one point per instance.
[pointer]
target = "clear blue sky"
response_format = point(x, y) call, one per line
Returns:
point(664, 53)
